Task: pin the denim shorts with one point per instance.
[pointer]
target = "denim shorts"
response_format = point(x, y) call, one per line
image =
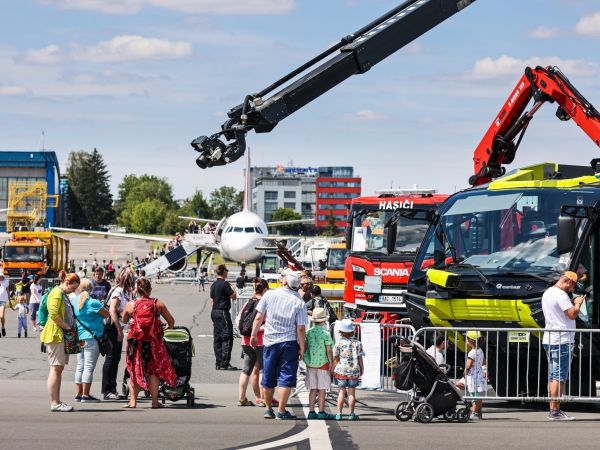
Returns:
point(280, 364)
point(559, 361)
point(347, 383)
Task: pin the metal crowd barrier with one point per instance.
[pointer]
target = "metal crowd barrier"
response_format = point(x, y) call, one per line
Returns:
point(236, 306)
point(47, 283)
point(516, 362)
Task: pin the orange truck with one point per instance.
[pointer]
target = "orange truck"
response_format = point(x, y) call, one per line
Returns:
point(39, 252)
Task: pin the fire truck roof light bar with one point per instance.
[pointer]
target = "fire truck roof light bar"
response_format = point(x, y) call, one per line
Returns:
point(397, 192)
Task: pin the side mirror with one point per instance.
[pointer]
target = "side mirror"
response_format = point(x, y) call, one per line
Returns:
point(566, 232)
point(392, 234)
point(348, 235)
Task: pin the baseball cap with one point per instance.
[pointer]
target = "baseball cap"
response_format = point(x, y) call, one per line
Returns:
point(571, 276)
point(293, 278)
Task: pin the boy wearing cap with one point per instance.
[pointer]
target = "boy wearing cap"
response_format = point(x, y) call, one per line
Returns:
point(560, 313)
point(347, 367)
point(319, 360)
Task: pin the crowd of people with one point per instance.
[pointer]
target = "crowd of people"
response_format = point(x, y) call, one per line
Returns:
point(281, 327)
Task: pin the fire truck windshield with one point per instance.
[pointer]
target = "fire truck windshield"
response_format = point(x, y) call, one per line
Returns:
point(16, 253)
point(369, 234)
point(500, 232)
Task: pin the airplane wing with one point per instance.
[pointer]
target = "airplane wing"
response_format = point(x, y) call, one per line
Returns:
point(288, 222)
point(199, 219)
point(109, 234)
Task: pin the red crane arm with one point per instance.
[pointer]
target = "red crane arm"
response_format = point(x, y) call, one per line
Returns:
point(500, 143)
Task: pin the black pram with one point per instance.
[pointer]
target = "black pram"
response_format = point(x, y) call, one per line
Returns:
point(431, 393)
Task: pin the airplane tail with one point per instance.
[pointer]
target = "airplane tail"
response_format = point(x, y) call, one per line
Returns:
point(247, 189)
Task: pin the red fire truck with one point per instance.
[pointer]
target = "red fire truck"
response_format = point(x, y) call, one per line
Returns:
point(376, 275)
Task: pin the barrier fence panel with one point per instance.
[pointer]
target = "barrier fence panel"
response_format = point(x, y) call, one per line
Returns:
point(47, 283)
point(236, 306)
point(519, 363)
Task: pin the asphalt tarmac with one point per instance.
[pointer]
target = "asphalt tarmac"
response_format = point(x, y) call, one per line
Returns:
point(217, 423)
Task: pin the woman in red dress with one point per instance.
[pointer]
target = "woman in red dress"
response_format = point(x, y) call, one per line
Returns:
point(147, 358)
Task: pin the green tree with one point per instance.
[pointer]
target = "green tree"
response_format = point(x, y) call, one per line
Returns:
point(225, 201)
point(196, 206)
point(282, 214)
point(147, 216)
point(90, 199)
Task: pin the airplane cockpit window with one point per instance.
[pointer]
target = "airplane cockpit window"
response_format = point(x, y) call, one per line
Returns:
point(238, 229)
point(258, 230)
point(249, 230)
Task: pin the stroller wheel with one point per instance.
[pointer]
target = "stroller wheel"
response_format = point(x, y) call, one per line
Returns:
point(424, 413)
point(403, 412)
point(463, 414)
point(450, 415)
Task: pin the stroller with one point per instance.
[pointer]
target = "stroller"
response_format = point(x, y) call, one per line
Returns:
point(432, 394)
point(181, 351)
point(180, 348)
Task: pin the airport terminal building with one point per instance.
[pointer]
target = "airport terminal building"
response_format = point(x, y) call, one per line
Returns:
point(314, 192)
point(31, 166)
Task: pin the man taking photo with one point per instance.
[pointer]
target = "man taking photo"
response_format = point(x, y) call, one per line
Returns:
point(560, 313)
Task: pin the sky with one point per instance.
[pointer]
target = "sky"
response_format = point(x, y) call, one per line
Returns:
point(140, 79)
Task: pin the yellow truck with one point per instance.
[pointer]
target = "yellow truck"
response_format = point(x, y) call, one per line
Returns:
point(336, 260)
point(39, 252)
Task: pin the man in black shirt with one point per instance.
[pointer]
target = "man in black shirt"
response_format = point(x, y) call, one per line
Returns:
point(100, 287)
point(221, 295)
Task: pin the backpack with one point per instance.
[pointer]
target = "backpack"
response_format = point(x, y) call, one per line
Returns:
point(247, 317)
point(144, 320)
point(42, 314)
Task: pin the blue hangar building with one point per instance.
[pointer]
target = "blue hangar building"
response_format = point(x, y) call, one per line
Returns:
point(24, 165)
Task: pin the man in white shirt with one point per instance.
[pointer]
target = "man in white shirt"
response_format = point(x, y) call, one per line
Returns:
point(437, 350)
point(560, 313)
point(3, 301)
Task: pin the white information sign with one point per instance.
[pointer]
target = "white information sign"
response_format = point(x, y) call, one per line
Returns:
point(370, 336)
point(359, 240)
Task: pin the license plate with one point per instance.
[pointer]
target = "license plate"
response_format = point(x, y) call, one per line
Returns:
point(391, 299)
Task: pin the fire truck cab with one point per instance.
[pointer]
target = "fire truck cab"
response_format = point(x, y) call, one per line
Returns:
point(376, 277)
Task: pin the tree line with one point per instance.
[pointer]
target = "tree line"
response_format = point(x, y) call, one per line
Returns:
point(145, 203)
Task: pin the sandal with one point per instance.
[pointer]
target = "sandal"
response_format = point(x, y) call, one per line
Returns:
point(128, 406)
point(245, 402)
point(158, 406)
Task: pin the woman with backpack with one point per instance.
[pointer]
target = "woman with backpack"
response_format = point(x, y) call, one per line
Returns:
point(60, 317)
point(147, 358)
point(90, 316)
point(116, 301)
point(253, 357)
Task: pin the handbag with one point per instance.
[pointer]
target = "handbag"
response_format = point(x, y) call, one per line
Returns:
point(106, 304)
point(104, 342)
point(71, 341)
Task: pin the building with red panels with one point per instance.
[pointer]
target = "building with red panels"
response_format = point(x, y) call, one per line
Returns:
point(335, 188)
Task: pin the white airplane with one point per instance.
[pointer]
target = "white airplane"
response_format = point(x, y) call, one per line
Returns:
point(235, 237)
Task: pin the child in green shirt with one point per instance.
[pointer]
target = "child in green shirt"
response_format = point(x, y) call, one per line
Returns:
point(319, 361)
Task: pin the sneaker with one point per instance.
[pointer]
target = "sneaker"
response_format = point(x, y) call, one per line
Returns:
point(286, 415)
point(89, 399)
point(112, 396)
point(474, 417)
point(260, 402)
point(78, 398)
point(565, 415)
point(25, 334)
point(558, 415)
point(229, 367)
point(269, 414)
point(353, 416)
point(338, 416)
point(312, 415)
point(61, 407)
point(324, 416)
point(3, 332)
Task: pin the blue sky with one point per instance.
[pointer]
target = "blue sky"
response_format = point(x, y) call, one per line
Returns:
point(139, 79)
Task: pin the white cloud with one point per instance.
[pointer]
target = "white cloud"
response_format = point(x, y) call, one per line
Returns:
point(130, 47)
point(220, 7)
point(589, 26)
point(543, 32)
point(365, 115)
point(45, 56)
point(12, 91)
point(505, 65)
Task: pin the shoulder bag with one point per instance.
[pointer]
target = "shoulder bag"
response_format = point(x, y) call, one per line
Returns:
point(71, 337)
point(104, 342)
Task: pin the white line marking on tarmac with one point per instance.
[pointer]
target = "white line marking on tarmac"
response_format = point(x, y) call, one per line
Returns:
point(316, 432)
point(205, 335)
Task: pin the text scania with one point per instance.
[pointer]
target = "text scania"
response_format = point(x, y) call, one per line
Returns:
point(382, 271)
point(397, 204)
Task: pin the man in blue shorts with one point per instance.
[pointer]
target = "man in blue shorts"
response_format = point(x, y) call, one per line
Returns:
point(284, 334)
point(560, 313)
